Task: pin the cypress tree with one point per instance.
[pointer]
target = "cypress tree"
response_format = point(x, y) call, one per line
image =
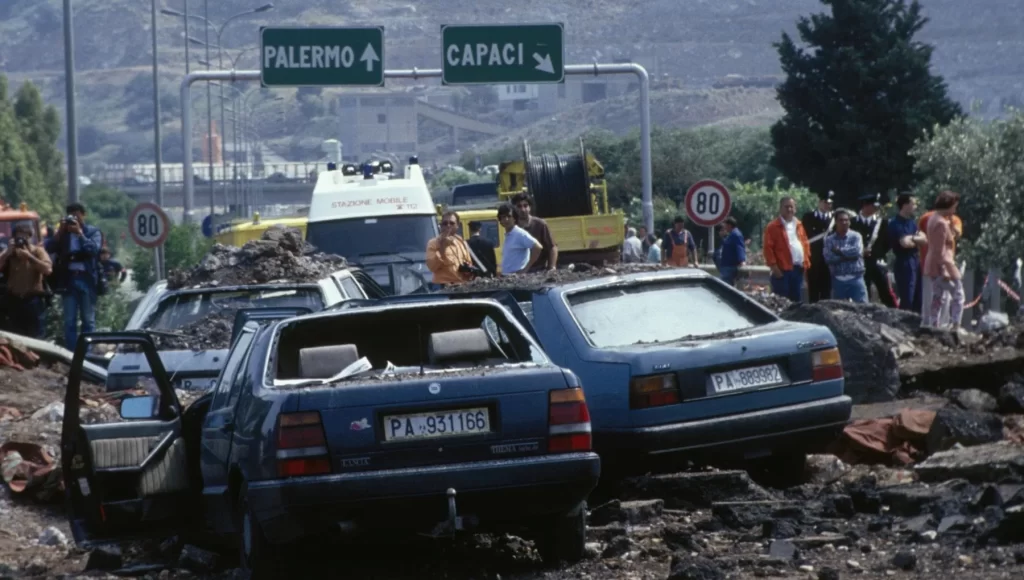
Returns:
point(40, 128)
point(856, 98)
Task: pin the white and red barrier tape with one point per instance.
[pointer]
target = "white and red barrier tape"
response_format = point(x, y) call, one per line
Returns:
point(981, 293)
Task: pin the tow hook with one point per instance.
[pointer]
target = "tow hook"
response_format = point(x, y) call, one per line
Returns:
point(453, 523)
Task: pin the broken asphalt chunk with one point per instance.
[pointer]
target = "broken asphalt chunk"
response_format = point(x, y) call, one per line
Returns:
point(105, 558)
point(995, 462)
point(968, 428)
point(699, 489)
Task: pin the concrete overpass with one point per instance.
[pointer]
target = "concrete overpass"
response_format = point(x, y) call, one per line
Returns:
point(271, 193)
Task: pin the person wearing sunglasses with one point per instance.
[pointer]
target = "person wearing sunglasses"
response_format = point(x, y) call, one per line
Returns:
point(448, 257)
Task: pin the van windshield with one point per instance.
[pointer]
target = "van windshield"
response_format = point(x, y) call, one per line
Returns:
point(360, 238)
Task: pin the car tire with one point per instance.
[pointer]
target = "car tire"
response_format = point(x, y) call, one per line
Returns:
point(257, 557)
point(562, 538)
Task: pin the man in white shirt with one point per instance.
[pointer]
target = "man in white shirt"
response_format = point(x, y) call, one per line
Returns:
point(521, 250)
point(632, 248)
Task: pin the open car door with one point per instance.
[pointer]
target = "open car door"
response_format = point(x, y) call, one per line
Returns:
point(127, 478)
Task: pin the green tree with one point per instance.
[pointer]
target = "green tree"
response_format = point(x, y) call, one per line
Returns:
point(40, 128)
point(108, 210)
point(20, 177)
point(184, 248)
point(857, 97)
point(981, 161)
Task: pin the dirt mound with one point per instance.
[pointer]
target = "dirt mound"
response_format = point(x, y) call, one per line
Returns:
point(867, 335)
point(539, 280)
point(211, 332)
point(885, 349)
point(280, 254)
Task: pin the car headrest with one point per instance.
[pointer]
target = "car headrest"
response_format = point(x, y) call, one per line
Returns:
point(458, 345)
point(321, 362)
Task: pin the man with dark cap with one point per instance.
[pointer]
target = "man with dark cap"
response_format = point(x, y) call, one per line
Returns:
point(818, 224)
point(874, 229)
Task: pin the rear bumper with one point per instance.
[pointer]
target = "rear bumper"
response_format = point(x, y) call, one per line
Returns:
point(804, 427)
point(497, 492)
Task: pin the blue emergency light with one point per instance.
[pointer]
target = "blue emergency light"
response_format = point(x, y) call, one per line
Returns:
point(367, 171)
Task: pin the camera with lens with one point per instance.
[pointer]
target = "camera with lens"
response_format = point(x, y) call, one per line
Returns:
point(70, 220)
point(21, 243)
point(466, 268)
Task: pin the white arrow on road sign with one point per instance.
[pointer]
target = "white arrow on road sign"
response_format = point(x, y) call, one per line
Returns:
point(544, 63)
point(369, 56)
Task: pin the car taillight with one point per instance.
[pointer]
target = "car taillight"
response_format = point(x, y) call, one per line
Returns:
point(568, 421)
point(827, 365)
point(301, 445)
point(653, 391)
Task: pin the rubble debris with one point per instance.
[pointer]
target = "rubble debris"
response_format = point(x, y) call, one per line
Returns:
point(16, 356)
point(29, 469)
point(197, 559)
point(1011, 397)
point(952, 426)
point(211, 332)
point(51, 536)
point(686, 490)
point(281, 254)
point(974, 400)
point(997, 462)
point(869, 360)
point(107, 557)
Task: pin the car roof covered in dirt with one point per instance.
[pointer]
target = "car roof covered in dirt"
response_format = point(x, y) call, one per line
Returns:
point(580, 277)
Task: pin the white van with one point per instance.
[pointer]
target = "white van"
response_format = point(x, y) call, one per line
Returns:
point(376, 220)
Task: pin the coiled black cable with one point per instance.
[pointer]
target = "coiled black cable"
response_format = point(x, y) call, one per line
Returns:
point(558, 184)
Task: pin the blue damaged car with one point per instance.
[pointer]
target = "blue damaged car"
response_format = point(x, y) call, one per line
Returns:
point(678, 365)
point(429, 418)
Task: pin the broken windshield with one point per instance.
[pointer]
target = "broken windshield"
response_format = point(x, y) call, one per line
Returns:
point(655, 311)
point(185, 309)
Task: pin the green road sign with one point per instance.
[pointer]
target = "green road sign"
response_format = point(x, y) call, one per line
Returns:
point(322, 57)
point(493, 54)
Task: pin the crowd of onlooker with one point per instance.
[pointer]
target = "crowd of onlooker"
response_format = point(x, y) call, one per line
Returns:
point(70, 261)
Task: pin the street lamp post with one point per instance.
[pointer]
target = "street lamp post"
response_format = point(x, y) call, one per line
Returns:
point(209, 104)
point(70, 123)
point(157, 141)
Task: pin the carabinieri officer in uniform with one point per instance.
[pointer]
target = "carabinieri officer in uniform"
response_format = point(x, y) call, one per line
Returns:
point(874, 229)
point(818, 224)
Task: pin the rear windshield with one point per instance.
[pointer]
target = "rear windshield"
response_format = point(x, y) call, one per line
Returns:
point(653, 312)
point(183, 310)
point(395, 342)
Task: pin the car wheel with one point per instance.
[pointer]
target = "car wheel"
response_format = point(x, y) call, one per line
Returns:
point(562, 538)
point(256, 556)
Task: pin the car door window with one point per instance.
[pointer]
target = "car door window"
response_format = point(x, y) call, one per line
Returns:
point(489, 230)
point(232, 367)
point(351, 287)
point(241, 379)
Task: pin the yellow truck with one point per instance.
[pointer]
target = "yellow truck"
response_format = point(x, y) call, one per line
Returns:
point(241, 232)
point(569, 192)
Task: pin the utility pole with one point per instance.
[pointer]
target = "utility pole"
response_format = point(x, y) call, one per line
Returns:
point(70, 123)
point(209, 102)
point(159, 251)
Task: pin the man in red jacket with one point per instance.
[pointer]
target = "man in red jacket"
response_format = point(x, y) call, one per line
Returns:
point(787, 251)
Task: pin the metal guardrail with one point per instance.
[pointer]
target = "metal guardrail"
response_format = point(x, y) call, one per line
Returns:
point(173, 174)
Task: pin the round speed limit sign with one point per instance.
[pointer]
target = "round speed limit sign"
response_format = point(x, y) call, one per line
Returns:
point(708, 203)
point(149, 225)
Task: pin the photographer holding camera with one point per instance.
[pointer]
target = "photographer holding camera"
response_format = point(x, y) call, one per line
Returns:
point(448, 256)
point(76, 271)
point(25, 266)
